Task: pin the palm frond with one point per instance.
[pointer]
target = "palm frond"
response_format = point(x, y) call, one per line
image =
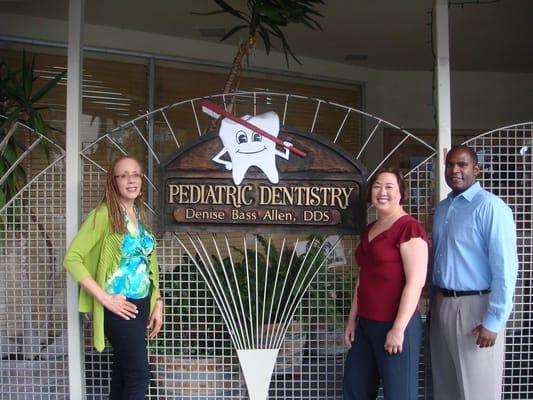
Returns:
point(233, 30)
point(47, 87)
point(263, 33)
point(18, 104)
point(27, 75)
point(274, 14)
point(226, 8)
point(276, 31)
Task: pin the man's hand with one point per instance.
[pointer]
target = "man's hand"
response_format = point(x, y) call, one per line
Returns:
point(484, 337)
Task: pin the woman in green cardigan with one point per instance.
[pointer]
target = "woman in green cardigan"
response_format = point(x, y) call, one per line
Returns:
point(113, 257)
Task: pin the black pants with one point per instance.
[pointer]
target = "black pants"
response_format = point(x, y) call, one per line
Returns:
point(368, 364)
point(130, 375)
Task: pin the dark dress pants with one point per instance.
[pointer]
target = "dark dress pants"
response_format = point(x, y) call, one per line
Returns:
point(130, 375)
point(368, 364)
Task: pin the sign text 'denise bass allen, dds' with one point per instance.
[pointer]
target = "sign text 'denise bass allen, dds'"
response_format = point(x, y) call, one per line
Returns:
point(237, 181)
point(252, 203)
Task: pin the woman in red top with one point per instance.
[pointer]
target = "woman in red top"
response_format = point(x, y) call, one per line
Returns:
point(384, 329)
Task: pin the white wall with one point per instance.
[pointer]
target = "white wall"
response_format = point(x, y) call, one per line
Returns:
point(479, 100)
point(491, 100)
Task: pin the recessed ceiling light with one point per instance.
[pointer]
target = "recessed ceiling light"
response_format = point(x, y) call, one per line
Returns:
point(212, 32)
point(355, 57)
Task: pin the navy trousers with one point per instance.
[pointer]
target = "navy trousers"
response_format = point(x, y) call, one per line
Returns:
point(130, 375)
point(368, 364)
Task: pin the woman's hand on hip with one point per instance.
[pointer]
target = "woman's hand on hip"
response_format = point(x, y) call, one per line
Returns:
point(117, 304)
point(156, 320)
point(394, 341)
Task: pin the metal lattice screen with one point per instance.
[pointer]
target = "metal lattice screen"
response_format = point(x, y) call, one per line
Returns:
point(33, 319)
point(34, 360)
point(507, 171)
point(193, 356)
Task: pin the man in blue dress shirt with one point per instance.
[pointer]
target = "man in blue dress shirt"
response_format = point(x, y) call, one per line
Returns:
point(474, 275)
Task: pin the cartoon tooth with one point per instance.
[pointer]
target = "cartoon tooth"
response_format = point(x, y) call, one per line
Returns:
point(247, 148)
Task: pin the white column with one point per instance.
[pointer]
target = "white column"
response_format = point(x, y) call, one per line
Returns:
point(72, 190)
point(150, 122)
point(442, 76)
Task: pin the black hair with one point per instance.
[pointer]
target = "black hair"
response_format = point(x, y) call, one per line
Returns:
point(466, 148)
point(402, 185)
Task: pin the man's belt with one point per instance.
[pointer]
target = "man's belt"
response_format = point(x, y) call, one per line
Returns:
point(459, 293)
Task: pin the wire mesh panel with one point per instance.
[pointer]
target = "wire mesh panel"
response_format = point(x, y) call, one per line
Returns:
point(421, 205)
point(507, 170)
point(505, 156)
point(194, 356)
point(33, 320)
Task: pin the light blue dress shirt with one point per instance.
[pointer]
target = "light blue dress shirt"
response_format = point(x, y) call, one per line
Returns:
point(474, 248)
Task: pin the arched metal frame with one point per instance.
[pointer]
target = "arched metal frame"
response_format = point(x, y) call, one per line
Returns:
point(347, 121)
point(48, 347)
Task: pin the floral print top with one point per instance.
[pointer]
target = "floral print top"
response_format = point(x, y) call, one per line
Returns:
point(131, 278)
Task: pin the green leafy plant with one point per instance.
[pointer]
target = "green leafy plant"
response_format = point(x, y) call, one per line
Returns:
point(269, 279)
point(193, 321)
point(19, 96)
point(258, 279)
point(265, 18)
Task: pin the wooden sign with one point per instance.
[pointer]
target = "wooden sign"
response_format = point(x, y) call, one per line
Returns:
point(235, 180)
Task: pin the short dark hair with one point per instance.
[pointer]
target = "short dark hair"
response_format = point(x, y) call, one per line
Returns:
point(464, 147)
point(402, 185)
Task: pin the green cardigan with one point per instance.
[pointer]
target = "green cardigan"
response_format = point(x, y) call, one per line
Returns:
point(95, 251)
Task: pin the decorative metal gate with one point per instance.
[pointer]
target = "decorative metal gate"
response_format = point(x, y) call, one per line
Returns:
point(193, 356)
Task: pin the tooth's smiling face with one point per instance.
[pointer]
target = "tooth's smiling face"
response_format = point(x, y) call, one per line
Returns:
point(240, 141)
point(247, 148)
point(249, 142)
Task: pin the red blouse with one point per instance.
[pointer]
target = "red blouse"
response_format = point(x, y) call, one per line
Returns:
point(381, 274)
